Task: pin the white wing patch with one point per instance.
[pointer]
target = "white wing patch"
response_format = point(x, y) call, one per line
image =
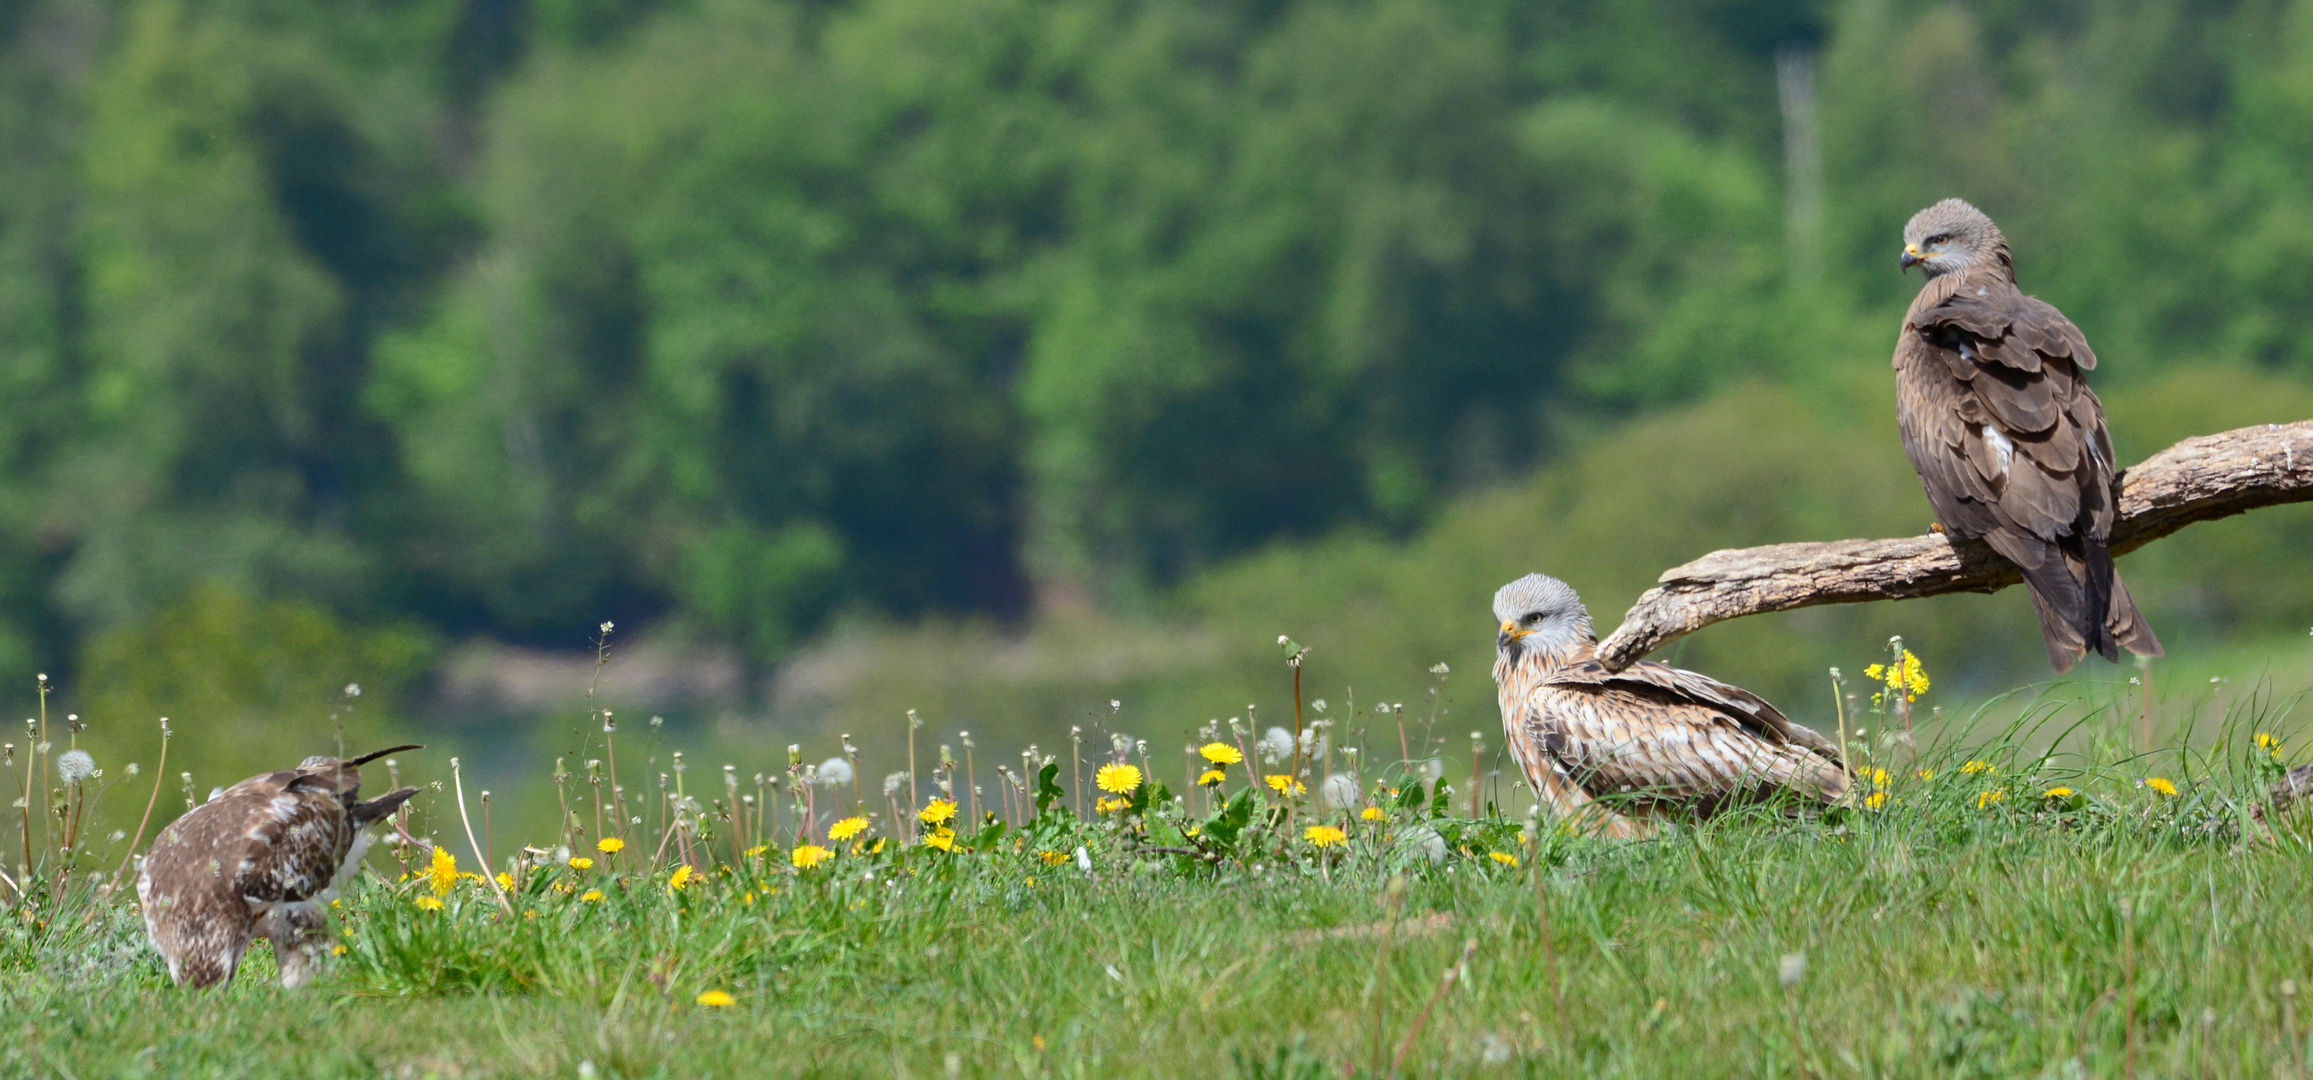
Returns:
point(2004, 449)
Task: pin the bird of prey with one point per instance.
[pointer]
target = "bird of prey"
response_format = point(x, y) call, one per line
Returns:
point(1610, 750)
point(1992, 398)
point(262, 858)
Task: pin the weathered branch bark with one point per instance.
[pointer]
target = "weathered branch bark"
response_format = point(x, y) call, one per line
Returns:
point(2206, 477)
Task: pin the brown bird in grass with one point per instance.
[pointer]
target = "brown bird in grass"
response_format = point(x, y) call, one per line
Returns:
point(262, 858)
point(1608, 750)
point(1992, 398)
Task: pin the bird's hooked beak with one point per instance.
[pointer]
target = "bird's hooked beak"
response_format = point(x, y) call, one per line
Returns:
point(1509, 635)
point(1910, 258)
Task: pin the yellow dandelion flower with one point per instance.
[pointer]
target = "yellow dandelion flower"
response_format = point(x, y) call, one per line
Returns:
point(1978, 766)
point(806, 856)
point(2057, 793)
point(937, 811)
point(337, 950)
point(444, 872)
point(1987, 798)
point(1210, 777)
point(1926, 774)
point(1052, 858)
point(505, 880)
point(2163, 785)
point(941, 839)
point(1323, 836)
point(1117, 779)
point(1220, 753)
point(590, 896)
point(680, 879)
point(1285, 785)
point(716, 999)
point(1374, 813)
point(1875, 800)
point(1876, 777)
point(757, 851)
point(2269, 743)
point(847, 828)
point(581, 862)
point(1503, 857)
point(429, 903)
point(877, 847)
point(1909, 679)
point(610, 845)
point(1106, 805)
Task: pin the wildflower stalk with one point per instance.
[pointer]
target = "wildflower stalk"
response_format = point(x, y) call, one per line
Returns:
point(1793, 969)
point(2128, 988)
point(609, 740)
point(40, 747)
point(731, 797)
point(1839, 709)
point(915, 797)
point(24, 806)
point(458, 782)
point(851, 754)
point(1076, 768)
point(562, 799)
point(159, 770)
point(971, 776)
point(2144, 712)
point(1392, 901)
point(1445, 982)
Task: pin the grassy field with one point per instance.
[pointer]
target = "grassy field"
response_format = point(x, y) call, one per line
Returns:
point(1971, 924)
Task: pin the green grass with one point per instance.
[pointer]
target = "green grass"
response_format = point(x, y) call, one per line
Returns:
point(1945, 935)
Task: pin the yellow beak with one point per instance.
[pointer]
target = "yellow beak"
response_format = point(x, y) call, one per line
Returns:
point(1510, 631)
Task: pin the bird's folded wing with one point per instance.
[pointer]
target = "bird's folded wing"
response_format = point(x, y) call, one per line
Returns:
point(1617, 740)
point(291, 840)
point(1729, 704)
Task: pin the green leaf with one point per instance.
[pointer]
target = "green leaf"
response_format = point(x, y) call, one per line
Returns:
point(1048, 788)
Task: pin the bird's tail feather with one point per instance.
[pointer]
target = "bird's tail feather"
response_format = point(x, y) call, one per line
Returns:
point(2127, 626)
point(2057, 600)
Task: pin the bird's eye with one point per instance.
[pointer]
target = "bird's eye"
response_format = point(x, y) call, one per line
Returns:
point(1938, 238)
point(1533, 618)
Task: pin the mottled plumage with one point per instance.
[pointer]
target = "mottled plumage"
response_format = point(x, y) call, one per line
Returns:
point(1607, 750)
point(1992, 398)
point(264, 857)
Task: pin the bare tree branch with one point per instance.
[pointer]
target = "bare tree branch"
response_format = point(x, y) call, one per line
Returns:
point(2199, 479)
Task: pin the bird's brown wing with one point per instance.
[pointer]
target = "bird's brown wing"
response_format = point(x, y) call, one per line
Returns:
point(1675, 736)
point(1665, 737)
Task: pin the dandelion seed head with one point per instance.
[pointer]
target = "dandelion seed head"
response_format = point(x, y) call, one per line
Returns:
point(1339, 791)
point(894, 782)
point(1791, 969)
point(1276, 745)
point(1422, 841)
point(835, 772)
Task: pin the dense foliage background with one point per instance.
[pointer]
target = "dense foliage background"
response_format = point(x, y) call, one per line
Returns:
point(431, 320)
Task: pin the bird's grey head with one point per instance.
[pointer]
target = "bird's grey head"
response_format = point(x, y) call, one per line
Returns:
point(1540, 614)
point(1952, 236)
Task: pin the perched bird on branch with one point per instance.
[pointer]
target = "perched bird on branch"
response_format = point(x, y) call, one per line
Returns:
point(1992, 398)
point(263, 858)
point(1608, 750)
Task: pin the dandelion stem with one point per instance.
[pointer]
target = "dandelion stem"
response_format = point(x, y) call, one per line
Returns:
point(457, 782)
point(159, 771)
